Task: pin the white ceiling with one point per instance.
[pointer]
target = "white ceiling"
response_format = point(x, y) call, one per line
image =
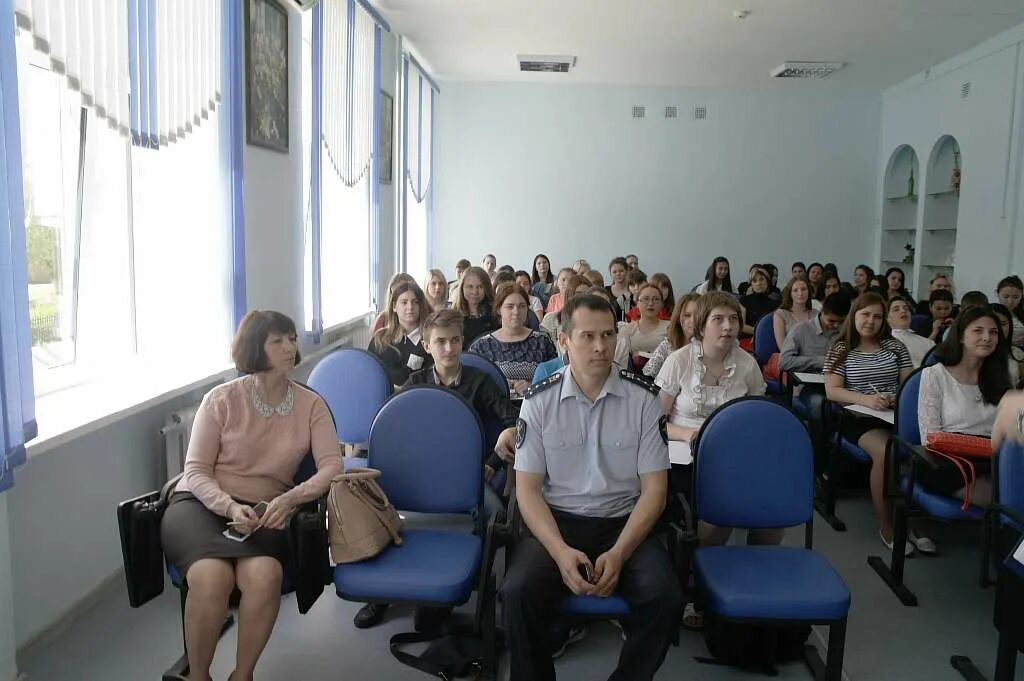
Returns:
point(695, 42)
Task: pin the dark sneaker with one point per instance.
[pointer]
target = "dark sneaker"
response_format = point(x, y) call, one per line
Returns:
point(574, 634)
point(370, 615)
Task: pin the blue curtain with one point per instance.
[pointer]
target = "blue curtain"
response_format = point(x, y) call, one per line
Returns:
point(232, 146)
point(17, 401)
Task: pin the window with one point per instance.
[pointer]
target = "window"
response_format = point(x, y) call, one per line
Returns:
point(129, 253)
point(420, 96)
point(339, 47)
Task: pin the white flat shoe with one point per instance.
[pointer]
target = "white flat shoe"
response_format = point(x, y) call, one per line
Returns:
point(923, 544)
point(908, 548)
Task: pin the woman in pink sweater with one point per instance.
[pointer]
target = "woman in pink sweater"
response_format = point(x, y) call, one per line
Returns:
point(249, 437)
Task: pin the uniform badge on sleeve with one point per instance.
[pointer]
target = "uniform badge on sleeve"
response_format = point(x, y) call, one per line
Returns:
point(663, 428)
point(520, 433)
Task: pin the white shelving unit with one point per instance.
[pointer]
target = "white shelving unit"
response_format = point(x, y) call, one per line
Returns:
point(899, 210)
point(937, 253)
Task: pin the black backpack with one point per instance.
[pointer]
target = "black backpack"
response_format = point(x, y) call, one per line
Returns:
point(753, 647)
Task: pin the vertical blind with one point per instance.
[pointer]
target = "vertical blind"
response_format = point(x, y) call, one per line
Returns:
point(420, 95)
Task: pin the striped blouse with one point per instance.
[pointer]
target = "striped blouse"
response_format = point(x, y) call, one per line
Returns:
point(870, 372)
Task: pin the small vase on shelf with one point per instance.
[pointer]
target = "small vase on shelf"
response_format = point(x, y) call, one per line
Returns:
point(954, 180)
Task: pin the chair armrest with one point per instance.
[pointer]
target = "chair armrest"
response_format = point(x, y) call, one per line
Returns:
point(168, 489)
point(918, 452)
point(997, 509)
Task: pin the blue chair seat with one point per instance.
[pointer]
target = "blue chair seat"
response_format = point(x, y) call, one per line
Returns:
point(594, 606)
point(771, 582)
point(350, 462)
point(430, 566)
point(772, 386)
point(942, 507)
point(855, 451)
point(286, 583)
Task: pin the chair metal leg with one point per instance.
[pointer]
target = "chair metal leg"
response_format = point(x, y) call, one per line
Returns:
point(985, 550)
point(966, 668)
point(826, 488)
point(892, 574)
point(1006, 658)
point(836, 650)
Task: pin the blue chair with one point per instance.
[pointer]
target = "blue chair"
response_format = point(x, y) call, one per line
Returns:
point(471, 359)
point(426, 441)
point(930, 358)
point(545, 369)
point(354, 384)
point(917, 319)
point(755, 469)
point(531, 321)
point(1004, 519)
point(910, 498)
point(764, 347)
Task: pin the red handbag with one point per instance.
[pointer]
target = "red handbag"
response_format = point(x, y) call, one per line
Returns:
point(959, 449)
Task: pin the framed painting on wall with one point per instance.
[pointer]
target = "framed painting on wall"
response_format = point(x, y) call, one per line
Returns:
point(387, 134)
point(266, 74)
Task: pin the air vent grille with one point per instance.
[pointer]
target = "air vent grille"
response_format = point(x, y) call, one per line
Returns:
point(546, 63)
point(700, 113)
point(671, 112)
point(639, 111)
point(965, 90)
point(806, 69)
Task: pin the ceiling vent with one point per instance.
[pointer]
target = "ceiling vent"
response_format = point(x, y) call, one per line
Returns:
point(965, 90)
point(639, 111)
point(299, 5)
point(671, 112)
point(546, 63)
point(700, 113)
point(806, 69)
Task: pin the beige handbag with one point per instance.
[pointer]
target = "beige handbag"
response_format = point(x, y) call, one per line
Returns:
point(361, 522)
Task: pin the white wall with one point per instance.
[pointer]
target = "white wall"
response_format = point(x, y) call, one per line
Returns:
point(773, 175)
point(987, 125)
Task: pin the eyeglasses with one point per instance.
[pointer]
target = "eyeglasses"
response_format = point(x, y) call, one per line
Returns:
point(649, 301)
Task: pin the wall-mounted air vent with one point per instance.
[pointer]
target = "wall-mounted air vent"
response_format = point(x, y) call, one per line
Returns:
point(965, 90)
point(700, 113)
point(671, 112)
point(546, 63)
point(639, 111)
point(806, 69)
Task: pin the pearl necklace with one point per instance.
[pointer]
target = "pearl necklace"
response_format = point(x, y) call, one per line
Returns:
point(266, 410)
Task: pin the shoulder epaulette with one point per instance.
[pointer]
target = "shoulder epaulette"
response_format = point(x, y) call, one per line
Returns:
point(639, 380)
point(541, 386)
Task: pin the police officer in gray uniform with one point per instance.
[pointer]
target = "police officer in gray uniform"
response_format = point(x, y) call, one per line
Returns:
point(591, 481)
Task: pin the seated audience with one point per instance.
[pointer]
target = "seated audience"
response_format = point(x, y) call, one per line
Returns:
point(668, 294)
point(396, 279)
point(804, 351)
point(475, 300)
point(798, 269)
point(594, 277)
point(581, 267)
point(523, 281)
point(442, 339)
point(249, 437)
point(680, 333)
point(972, 299)
point(895, 284)
point(570, 282)
point(558, 296)
point(1015, 355)
point(899, 322)
point(1009, 290)
point(542, 279)
point(940, 311)
point(641, 338)
point(622, 299)
point(634, 280)
point(862, 278)
point(745, 286)
point(773, 280)
point(796, 307)
point(816, 276)
point(717, 277)
point(880, 285)
point(490, 265)
point(938, 281)
point(959, 394)
point(397, 345)
point(435, 289)
point(831, 284)
point(633, 262)
point(866, 366)
point(591, 485)
point(697, 379)
point(460, 268)
point(757, 302)
point(513, 346)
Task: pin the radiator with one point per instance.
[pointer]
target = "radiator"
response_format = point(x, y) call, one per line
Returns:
point(176, 433)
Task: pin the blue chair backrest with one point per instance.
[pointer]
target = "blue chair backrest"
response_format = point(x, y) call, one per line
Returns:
point(907, 425)
point(471, 359)
point(754, 466)
point(931, 357)
point(354, 384)
point(1010, 476)
point(545, 369)
point(918, 319)
point(532, 321)
point(764, 339)
point(427, 441)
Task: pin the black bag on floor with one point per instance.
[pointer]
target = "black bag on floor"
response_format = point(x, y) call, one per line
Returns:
point(458, 654)
point(753, 647)
point(138, 523)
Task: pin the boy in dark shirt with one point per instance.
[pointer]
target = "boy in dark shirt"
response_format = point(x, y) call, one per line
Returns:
point(940, 315)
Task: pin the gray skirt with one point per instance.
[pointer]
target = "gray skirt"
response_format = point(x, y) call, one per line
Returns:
point(190, 532)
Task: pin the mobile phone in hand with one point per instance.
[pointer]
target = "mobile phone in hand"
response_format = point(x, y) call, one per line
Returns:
point(586, 573)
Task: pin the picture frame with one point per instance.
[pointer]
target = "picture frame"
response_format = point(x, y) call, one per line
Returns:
point(266, 74)
point(387, 136)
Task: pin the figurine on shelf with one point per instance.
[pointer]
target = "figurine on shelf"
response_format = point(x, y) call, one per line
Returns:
point(954, 180)
point(908, 259)
point(910, 184)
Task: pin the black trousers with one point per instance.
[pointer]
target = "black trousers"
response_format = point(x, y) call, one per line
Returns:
point(533, 591)
point(813, 397)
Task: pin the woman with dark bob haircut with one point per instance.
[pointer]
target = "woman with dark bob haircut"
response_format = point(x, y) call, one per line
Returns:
point(249, 437)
